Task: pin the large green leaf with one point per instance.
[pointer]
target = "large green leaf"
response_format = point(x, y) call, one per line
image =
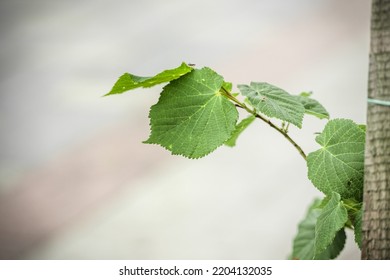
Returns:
point(312, 106)
point(129, 81)
point(192, 118)
point(339, 165)
point(332, 218)
point(274, 102)
point(304, 242)
point(231, 142)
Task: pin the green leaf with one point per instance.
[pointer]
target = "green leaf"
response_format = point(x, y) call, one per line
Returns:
point(129, 81)
point(312, 106)
point(362, 127)
point(339, 165)
point(304, 242)
point(192, 118)
point(332, 218)
point(231, 142)
point(306, 94)
point(355, 212)
point(228, 86)
point(335, 248)
point(303, 245)
point(274, 102)
point(357, 227)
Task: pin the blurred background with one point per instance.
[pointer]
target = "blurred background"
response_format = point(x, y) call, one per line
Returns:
point(77, 183)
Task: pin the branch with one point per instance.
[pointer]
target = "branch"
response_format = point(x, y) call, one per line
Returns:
point(241, 105)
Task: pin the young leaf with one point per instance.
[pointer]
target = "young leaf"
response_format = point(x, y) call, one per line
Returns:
point(274, 102)
point(129, 81)
point(231, 142)
point(304, 242)
point(191, 117)
point(332, 218)
point(228, 86)
point(338, 165)
point(312, 106)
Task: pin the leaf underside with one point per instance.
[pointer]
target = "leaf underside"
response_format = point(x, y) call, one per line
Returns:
point(129, 81)
point(191, 117)
point(274, 102)
point(338, 165)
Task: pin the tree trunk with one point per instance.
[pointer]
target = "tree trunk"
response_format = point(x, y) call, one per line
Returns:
point(376, 201)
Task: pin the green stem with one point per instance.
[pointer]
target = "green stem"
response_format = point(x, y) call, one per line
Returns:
point(282, 131)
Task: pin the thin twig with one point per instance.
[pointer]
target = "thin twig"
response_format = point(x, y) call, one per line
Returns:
point(264, 119)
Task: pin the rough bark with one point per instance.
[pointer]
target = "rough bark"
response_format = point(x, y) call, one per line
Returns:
point(376, 201)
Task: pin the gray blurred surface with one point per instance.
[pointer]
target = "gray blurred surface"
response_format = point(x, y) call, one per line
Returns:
point(77, 183)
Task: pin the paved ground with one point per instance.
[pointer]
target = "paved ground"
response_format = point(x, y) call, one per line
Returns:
point(77, 183)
